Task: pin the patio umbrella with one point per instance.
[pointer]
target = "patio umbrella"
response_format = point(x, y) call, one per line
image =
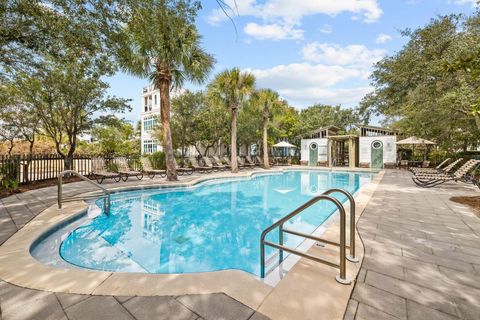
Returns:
point(284, 144)
point(413, 140)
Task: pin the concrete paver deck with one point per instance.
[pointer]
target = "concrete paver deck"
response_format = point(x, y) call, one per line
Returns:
point(17, 303)
point(422, 260)
point(422, 257)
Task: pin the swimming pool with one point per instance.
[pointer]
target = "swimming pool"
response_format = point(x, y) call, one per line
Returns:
point(214, 225)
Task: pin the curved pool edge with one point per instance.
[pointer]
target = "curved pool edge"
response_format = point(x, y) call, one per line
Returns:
point(18, 267)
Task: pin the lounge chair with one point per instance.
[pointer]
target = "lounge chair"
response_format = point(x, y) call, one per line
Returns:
point(100, 171)
point(182, 170)
point(212, 164)
point(251, 161)
point(432, 180)
point(197, 167)
point(430, 170)
point(125, 171)
point(148, 169)
point(242, 164)
point(259, 161)
point(403, 164)
point(219, 162)
point(448, 169)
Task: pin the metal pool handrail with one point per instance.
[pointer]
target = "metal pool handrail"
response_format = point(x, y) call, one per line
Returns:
point(342, 244)
point(106, 193)
point(351, 257)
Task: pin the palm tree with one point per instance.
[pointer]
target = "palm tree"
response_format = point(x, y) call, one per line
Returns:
point(231, 88)
point(160, 41)
point(266, 99)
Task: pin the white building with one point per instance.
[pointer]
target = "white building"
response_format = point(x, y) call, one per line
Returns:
point(150, 115)
point(371, 147)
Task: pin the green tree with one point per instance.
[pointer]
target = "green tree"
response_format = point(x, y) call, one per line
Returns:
point(267, 100)
point(318, 116)
point(186, 111)
point(231, 88)
point(66, 96)
point(33, 29)
point(114, 136)
point(162, 43)
point(420, 91)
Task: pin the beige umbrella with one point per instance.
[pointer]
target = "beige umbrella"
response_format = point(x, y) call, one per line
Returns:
point(284, 144)
point(413, 140)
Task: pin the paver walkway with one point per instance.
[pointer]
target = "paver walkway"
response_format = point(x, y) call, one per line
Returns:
point(422, 254)
point(18, 303)
point(422, 262)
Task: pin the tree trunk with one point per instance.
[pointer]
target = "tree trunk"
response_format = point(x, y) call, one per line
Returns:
point(68, 160)
point(164, 86)
point(10, 148)
point(477, 119)
point(266, 162)
point(233, 146)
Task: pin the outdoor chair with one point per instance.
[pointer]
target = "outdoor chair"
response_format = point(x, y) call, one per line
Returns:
point(210, 162)
point(125, 171)
point(197, 167)
point(461, 174)
point(182, 170)
point(445, 170)
point(251, 161)
point(219, 162)
point(100, 171)
point(430, 170)
point(148, 169)
point(243, 164)
point(259, 161)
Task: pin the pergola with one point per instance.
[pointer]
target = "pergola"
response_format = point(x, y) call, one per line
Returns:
point(337, 152)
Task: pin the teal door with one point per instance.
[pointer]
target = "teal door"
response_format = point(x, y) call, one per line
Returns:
point(377, 155)
point(313, 158)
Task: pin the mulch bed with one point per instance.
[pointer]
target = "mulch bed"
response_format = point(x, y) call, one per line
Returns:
point(35, 185)
point(473, 202)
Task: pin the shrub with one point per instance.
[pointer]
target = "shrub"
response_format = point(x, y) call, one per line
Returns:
point(9, 172)
point(158, 160)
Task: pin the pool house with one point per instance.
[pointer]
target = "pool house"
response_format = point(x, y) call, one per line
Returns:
point(369, 147)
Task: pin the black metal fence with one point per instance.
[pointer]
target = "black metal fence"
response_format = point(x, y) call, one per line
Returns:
point(26, 168)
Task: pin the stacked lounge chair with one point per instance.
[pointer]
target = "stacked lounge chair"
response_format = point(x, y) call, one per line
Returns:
point(197, 167)
point(148, 169)
point(213, 164)
point(251, 161)
point(431, 170)
point(434, 179)
point(125, 171)
point(243, 164)
point(219, 162)
point(100, 171)
point(446, 170)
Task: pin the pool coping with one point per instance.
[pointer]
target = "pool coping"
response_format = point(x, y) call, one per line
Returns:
point(18, 267)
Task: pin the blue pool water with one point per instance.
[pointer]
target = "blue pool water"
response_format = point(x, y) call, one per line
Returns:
point(215, 225)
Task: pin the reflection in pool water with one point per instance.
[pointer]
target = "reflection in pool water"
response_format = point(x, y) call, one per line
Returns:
point(213, 226)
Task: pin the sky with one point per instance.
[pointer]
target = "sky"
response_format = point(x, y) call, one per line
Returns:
point(310, 51)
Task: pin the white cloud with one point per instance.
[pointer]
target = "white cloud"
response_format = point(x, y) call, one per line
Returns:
point(355, 55)
point(305, 83)
point(326, 29)
point(273, 31)
point(284, 14)
point(473, 3)
point(382, 38)
point(295, 10)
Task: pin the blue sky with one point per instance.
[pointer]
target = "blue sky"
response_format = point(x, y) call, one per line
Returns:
point(310, 51)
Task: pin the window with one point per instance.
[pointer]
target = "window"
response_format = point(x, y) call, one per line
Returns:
point(149, 146)
point(149, 123)
point(155, 99)
point(145, 105)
